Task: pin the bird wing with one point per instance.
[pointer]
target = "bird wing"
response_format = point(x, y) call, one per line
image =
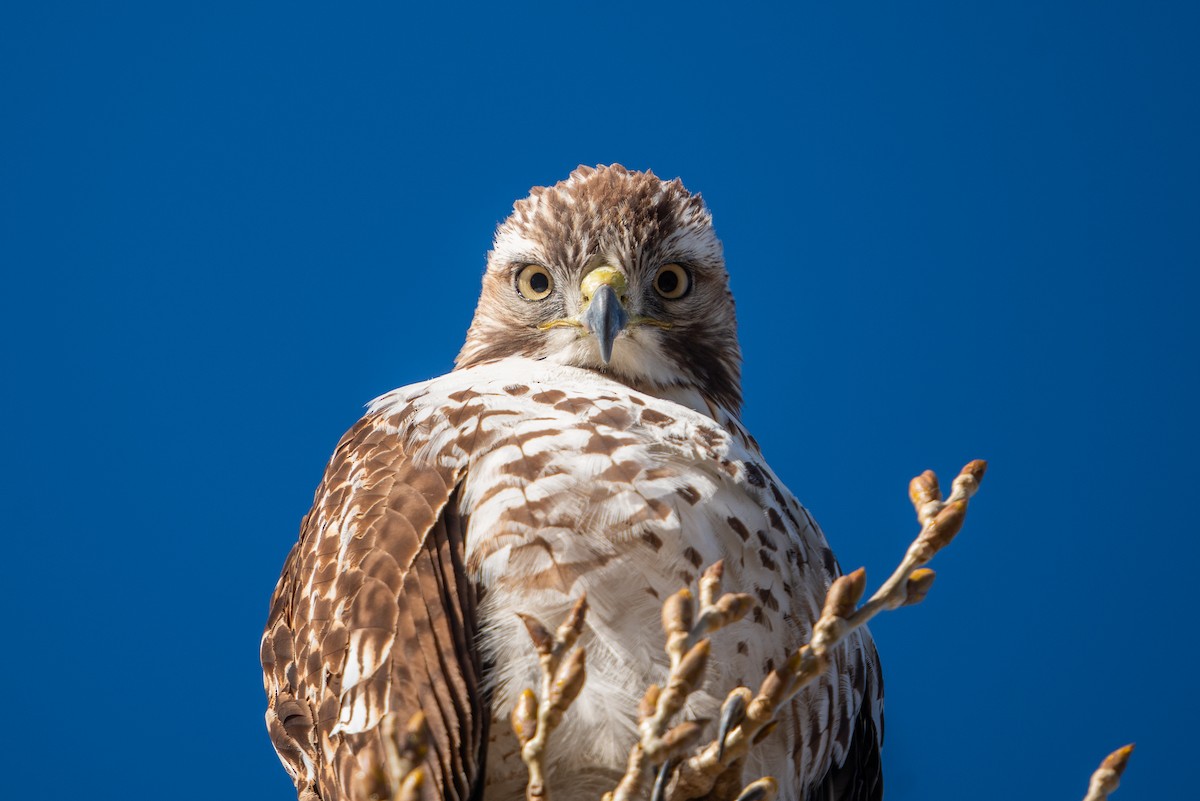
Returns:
point(374, 615)
point(858, 776)
point(837, 722)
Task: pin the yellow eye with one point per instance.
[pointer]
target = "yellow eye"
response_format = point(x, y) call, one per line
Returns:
point(534, 282)
point(672, 281)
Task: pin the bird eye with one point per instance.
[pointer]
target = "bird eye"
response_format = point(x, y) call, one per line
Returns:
point(672, 281)
point(534, 282)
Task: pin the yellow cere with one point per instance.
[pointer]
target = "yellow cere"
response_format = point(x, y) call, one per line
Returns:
point(600, 276)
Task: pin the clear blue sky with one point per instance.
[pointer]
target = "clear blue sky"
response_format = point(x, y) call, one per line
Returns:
point(953, 231)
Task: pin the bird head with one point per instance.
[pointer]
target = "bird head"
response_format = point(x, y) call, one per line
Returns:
point(614, 271)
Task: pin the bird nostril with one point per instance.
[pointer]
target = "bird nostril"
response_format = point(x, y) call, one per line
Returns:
point(602, 276)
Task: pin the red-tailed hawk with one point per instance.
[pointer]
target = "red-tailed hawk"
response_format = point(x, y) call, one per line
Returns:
point(587, 440)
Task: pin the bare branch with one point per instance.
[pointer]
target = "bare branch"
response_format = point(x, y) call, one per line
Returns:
point(410, 788)
point(533, 718)
point(940, 521)
point(393, 772)
point(762, 790)
point(747, 718)
point(688, 648)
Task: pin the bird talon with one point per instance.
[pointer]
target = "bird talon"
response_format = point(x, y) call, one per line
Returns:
point(660, 781)
point(733, 712)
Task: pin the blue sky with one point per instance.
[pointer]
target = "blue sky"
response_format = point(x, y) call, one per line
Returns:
point(954, 232)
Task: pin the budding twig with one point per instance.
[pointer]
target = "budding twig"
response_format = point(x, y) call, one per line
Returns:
point(940, 521)
point(402, 755)
point(410, 788)
point(688, 648)
point(1107, 777)
point(747, 718)
point(762, 790)
point(534, 718)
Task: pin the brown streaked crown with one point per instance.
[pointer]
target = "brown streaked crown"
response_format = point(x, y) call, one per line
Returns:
point(633, 221)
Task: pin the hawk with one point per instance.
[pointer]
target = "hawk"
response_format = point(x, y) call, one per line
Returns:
point(587, 440)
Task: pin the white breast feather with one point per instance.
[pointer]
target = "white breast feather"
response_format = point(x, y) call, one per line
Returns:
point(525, 522)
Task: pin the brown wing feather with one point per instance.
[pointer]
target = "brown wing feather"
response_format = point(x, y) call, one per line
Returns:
point(374, 615)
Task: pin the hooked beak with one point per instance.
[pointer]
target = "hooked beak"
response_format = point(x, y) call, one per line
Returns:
point(604, 319)
point(604, 316)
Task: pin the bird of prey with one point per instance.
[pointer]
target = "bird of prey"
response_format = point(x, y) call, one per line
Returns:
point(588, 440)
